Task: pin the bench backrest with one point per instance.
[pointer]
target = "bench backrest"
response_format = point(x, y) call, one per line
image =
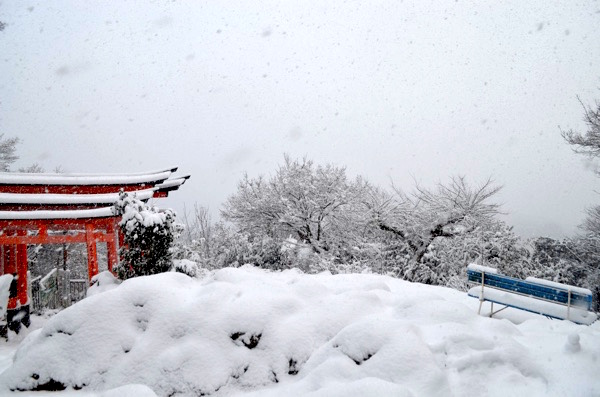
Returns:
point(529, 288)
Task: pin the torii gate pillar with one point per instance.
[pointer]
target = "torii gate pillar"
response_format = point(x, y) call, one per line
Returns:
point(14, 259)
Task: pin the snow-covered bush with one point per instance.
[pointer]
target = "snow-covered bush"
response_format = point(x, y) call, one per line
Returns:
point(148, 236)
point(554, 260)
point(587, 249)
point(101, 282)
point(186, 266)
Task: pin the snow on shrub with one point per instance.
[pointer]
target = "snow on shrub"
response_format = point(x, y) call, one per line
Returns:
point(101, 282)
point(249, 331)
point(148, 236)
point(187, 267)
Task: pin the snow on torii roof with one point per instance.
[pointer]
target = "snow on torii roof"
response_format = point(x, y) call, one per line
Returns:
point(69, 214)
point(80, 184)
point(24, 178)
point(164, 188)
point(31, 196)
point(49, 198)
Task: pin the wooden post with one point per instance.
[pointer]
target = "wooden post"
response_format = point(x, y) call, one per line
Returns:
point(569, 305)
point(113, 258)
point(481, 294)
point(65, 255)
point(121, 239)
point(91, 251)
point(21, 257)
point(67, 288)
point(22, 295)
point(111, 246)
point(10, 267)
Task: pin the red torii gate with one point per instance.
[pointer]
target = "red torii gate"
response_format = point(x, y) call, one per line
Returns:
point(65, 208)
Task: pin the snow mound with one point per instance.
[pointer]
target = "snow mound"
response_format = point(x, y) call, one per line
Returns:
point(251, 332)
point(5, 281)
point(101, 282)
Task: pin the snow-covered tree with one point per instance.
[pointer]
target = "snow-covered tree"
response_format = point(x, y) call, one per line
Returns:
point(418, 218)
point(587, 248)
point(492, 244)
point(311, 202)
point(556, 260)
point(148, 236)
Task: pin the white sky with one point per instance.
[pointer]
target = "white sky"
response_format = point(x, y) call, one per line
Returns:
point(392, 90)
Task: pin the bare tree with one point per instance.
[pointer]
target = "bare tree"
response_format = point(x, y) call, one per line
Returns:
point(587, 143)
point(588, 244)
point(422, 216)
point(203, 229)
point(7, 152)
point(591, 224)
point(33, 168)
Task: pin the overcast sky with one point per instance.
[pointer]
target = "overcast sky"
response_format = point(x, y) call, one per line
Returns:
point(393, 90)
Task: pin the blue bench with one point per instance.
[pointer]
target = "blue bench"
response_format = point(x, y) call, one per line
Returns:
point(543, 297)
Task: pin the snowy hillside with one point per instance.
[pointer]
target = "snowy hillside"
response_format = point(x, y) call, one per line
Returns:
point(250, 332)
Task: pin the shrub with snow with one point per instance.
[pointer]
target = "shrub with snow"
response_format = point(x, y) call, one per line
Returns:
point(148, 235)
point(186, 266)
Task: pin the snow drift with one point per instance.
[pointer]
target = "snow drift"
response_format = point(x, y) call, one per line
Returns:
point(249, 331)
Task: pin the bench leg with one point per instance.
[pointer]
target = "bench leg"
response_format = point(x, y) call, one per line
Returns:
point(497, 311)
point(481, 299)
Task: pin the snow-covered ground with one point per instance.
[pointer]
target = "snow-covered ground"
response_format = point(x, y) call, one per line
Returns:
point(250, 332)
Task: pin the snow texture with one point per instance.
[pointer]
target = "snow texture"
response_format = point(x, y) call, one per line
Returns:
point(554, 284)
point(16, 178)
point(49, 198)
point(172, 182)
point(249, 332)
point(146, 217)
point(572, 345)
point(67, 214)
point(482, 269)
